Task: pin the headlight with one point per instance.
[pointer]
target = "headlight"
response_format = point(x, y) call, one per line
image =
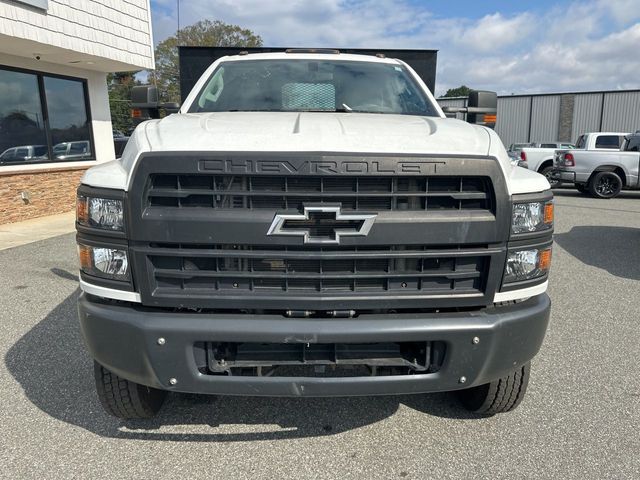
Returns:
point(532, 217)
point(111, 263)
point(527, 264)
point(103, 213)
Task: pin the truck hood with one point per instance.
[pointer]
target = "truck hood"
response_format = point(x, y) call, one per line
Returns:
point(309, 132)
point(314, 132)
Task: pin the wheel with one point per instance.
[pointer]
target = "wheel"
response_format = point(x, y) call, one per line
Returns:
point(582, 188)
point(499, 396)
point(124, 399)
point(605, 185)
point(546, 171)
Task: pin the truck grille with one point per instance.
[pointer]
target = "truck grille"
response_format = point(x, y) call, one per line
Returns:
point(211, 269)
point(200, 231)
point(354, 193)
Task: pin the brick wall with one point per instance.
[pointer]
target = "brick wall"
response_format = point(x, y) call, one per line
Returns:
point(50, 192)
point(567, 104)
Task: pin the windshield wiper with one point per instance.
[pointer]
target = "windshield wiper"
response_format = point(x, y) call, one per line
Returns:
point(250, 110)
point(344, 109)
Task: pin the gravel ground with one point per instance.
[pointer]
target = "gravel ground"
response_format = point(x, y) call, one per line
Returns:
point(580, 419)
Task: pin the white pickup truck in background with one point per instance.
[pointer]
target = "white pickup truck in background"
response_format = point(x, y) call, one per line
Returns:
point(601, 172)
point(541, 159)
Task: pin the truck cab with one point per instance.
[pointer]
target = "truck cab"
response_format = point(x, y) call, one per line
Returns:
point(600, 141)
point(311, 224)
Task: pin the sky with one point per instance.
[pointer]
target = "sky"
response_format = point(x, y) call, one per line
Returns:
point(504, 45)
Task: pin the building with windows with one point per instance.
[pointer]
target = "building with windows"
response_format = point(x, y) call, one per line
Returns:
point(54, 107)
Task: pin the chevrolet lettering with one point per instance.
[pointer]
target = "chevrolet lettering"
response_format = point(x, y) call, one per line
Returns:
point(380, 166)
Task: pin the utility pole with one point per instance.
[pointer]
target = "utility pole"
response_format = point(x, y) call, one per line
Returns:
point(178, 1)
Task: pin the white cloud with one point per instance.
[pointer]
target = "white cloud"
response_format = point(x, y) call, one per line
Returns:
point(622, 11)
point(494, 33)
point(583, 45)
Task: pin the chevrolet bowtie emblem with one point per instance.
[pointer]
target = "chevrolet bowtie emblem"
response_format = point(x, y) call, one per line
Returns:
point(322, 224)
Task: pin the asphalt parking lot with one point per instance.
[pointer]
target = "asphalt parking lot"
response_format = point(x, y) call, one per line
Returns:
point(580, 419)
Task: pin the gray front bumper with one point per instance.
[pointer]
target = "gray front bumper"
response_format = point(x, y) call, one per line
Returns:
point(123, 338)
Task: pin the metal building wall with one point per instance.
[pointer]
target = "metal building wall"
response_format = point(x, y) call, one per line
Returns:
point(454, 102)
point(513, 119)
point(586, 114)
point(536, 118)
point(621, 112)
point(545, 118)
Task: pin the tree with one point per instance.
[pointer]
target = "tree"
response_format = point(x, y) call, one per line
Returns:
point(203, 33)
point(462, 91)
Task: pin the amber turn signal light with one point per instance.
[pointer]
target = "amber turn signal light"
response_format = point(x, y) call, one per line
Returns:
point(544, 260)
point(82, 213)
point(548, 213)
point(84, 254)
point(488, 118)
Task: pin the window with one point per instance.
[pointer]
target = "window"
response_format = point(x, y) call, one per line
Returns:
point(43, 118)
point(21, 120)
point(312, 85)
point(68, 116)
point(549, 145)
point(608, 141)
point(516, 147)
point(633, 144)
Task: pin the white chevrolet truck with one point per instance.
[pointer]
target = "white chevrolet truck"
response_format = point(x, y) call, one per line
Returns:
point(311, 224)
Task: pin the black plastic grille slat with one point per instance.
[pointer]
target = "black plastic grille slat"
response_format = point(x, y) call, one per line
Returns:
point(222, 268)
point(228, 191)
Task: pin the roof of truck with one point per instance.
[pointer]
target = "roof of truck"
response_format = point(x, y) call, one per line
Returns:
point(606, 133)
point(350, 57)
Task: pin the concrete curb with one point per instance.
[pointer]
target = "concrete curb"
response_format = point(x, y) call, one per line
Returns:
point(36, 229)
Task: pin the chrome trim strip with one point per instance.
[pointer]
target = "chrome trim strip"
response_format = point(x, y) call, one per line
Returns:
point(521, 294)
point(112, 293)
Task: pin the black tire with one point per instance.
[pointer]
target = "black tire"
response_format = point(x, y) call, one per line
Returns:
point(499, 396)
point(124, 399)
point(546, 171)
point(582, 188)
point(605, 185)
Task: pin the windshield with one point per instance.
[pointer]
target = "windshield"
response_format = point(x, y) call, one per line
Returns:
point(310, 85)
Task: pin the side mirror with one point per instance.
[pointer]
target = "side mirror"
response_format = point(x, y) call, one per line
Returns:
point(145, 96)
point(481, 109)
point(145, 104)
point(171, 107)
